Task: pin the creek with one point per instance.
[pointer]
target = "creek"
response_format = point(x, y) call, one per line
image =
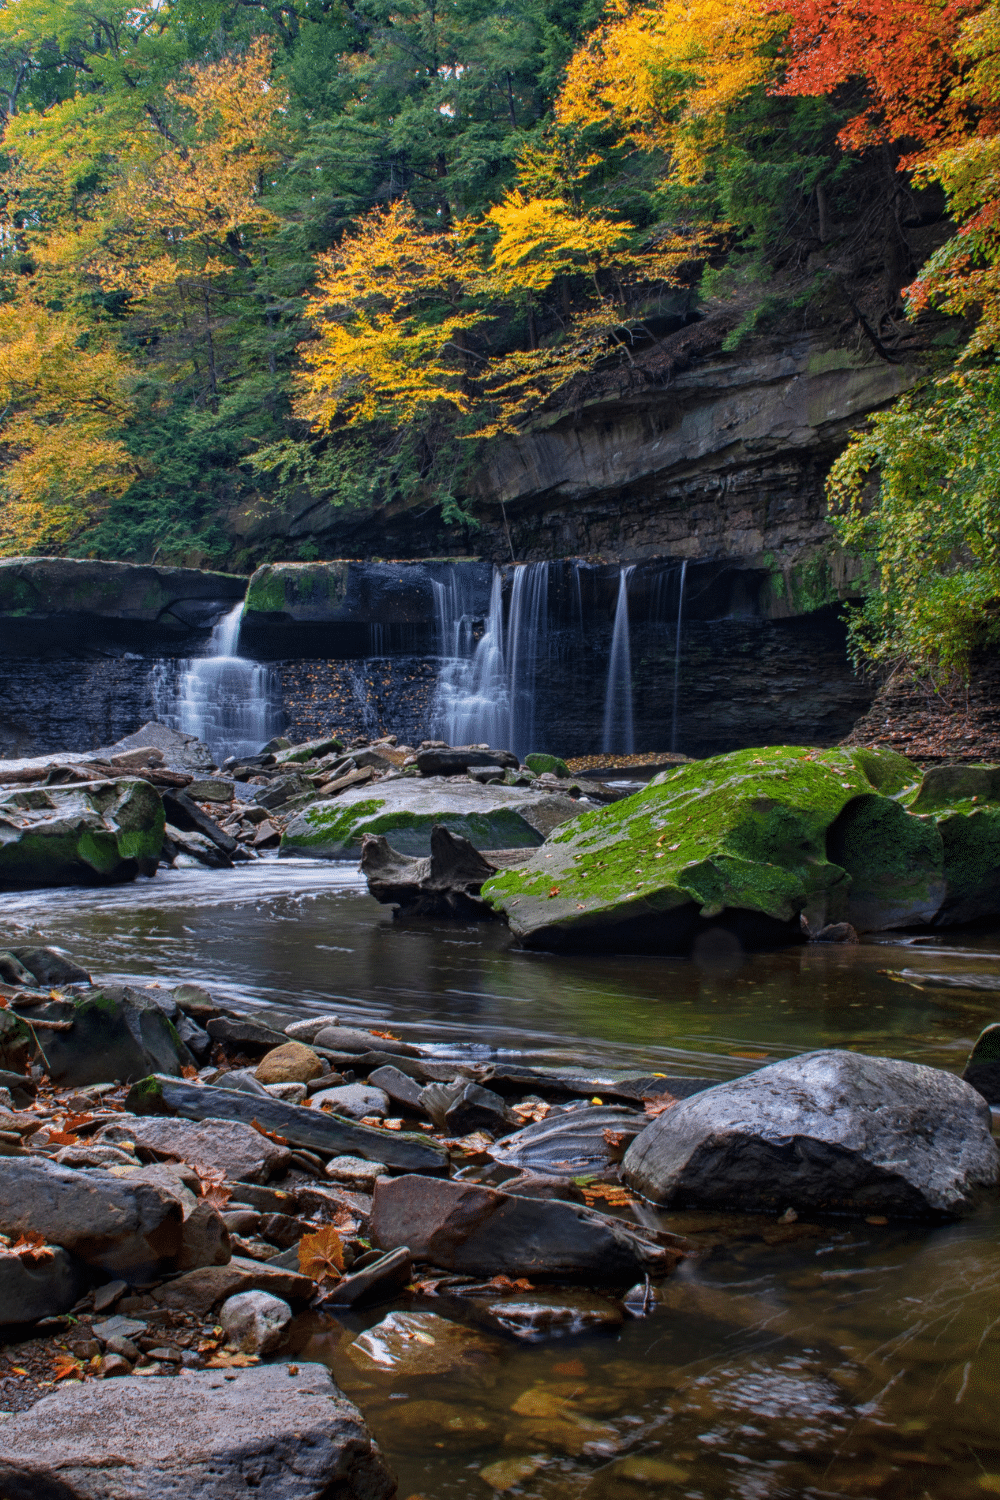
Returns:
point(823, 1359)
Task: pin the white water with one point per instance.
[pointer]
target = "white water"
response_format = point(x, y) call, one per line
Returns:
point(222, 698)
point(619, 728)
point(677, 659)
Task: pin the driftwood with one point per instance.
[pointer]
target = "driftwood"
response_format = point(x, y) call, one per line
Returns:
point(62, 773)
point(446, 885)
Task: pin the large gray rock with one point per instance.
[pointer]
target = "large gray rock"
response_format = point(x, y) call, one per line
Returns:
point(206, 1435)
point(132, 1229)
point(181, 752)
point(825, 1131)
point(209, 1286)
point(38, 1287)
point(81, 834)
point(50, 966)
point(490, 817)
point(120, 1033)
point(466, 1227)
point(227, 1145)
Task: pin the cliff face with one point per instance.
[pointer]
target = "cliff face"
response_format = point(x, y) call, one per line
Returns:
point(724, 460)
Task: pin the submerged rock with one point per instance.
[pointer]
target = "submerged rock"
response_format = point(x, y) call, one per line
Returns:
point(466, 1227)
point(490, 817)
point(831, 1131)
point(539, 1315)
point(282, 1430)
point(407, 1344)
point(739, 842)
point(82, 834)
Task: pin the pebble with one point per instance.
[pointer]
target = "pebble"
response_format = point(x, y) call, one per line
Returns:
point(355, 1172)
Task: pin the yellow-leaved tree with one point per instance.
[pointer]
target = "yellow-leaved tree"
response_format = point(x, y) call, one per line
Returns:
point(64, 397)
point(665, 72)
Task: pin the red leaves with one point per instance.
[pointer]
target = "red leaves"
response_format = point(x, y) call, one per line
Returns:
point(31, 1246)
point(279, 1140)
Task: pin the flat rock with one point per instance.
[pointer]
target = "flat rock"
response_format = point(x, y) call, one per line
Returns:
point(38, 1288)
point(410, 1344)
point(469, 1228)
point(205, 1435)
point(356, 1100)
point(577, 1143)
point(490, 817)
point(244, 1033)
point(129, 1228)
point(181, 752)
point(455, 762)
point(85, 833)
point(829, 1130)
point(310, 1128)
point(237, 1150)
point(354, 1039)
point(201, 1290)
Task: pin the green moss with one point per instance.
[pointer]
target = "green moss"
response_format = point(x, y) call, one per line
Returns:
point(265, 593)
point(888, 772)
point(745, 830)
point(946, 788)
point(333, 822)
point(146, 1098)
point(541, 763)
point(895, 861)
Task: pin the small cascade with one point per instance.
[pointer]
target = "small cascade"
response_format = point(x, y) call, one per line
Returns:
point(527, 635)
point(619, 729)
point(230, 703)
point(471, 704)
point(677, 659)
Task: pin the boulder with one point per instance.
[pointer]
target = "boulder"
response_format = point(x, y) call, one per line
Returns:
point(126, 1227)
point(445, 885)
point(244, 1034)
point(181, 752)
point(205, 1288)
point(204, 1234)
point(356, 1100)
point(86, 833)
point(281, 1430)
point(832, 1131)
point(119, 1033)
point(573, 1143)
point(309, 1128)
point(462, 1107)
point(193, 846)
point(738, 841)
point(456, 762)
point(211, 789)
point(469, 1228)
point(290, 1063)
point(982, 1070)
point(541, 764)
point(237, 1150)
point(255, 1322)
point(51, 966)
point(489, 817)
point(38, 1286)
point(401, 1089)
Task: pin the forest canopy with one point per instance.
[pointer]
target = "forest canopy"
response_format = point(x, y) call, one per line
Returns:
point(279, 252)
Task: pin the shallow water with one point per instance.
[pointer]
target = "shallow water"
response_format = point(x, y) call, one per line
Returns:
point(836, 1359)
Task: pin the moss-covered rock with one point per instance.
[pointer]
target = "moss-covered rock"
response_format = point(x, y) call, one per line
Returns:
point(540, 763)
point(963, 804)
point(895, 861)
point(490, 817)
point(119, 1032)
point(739, 840)
point(79, 834)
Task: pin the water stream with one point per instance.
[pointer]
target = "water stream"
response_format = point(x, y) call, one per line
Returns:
point(618, 734)
point(833, 1358)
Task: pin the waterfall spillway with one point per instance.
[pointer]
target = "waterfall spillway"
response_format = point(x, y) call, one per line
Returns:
point(619, 729)
point(222, 698)
point(677, 657)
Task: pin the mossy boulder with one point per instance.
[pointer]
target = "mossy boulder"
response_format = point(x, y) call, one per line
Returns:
point(541, 763)
point(737, 841)
point(83, 834)
point(405, 811)
point(962, 803)
point(119, 1033)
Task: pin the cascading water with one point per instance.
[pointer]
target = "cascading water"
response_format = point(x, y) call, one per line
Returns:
point(619, 729)
point(677, 659)
point(230, 703)
point(527, 636)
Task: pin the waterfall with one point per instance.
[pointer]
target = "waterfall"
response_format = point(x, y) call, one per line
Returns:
point(222, 698)
point(619, 730)
point(526, 637)
point(471, 704)
point(677, 659)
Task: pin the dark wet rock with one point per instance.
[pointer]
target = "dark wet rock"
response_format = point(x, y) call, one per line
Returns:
point(123, 1227)
point(17, 1043)
point(405, 810)
point(197, 1041)
point(255, 1322)
point(536, 1185)
point(445, 885)
point(575, 1143)
point(93, 832)
point(217, 1145)
point(376, 1282)
point(460, 1107)
point(51, 966)
point(464, 1227)
point(271, 1200)
point(287, 1433)
point(244, 1034)
point(895, 861)
point(195, 1001)
point(825, 1131)
point(539, 1315)
point(982, 1070)
point(282, 789)
point(119, 1032)
point(184, 813)
point(309, 1128)
point(403, 1090)
point(13, 972)
point(39, 1287)
point(21, 1088)
point(409, 1344)
point(457, 762)
point(353, 1039)
point(201, 1290)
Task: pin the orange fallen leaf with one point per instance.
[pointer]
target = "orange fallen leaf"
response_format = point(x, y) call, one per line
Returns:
point(321, 1255)
point(387, 1036)
point(31, 1246)
point(751, 1056)
point(63, 1138)
point(188, 1072)
point(554, 891)
point(237, 1361)
point(65, 1367)
point(279, 1140)
point(658, 1104)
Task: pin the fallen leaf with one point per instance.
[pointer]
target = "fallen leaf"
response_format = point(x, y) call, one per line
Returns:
point(751, 1056)
point(62, 1138)
point(236, 1361)
point(321, 1255)
point(279, 1140)
point(65, 1367)
point(553, 892)
point(188, 1072)
point(73, 1122)
point(18, 1370)
point(31, 1246)
point(658, 1104)
point(387, 1036)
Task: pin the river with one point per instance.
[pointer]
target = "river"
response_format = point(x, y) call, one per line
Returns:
point(821, 1359)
